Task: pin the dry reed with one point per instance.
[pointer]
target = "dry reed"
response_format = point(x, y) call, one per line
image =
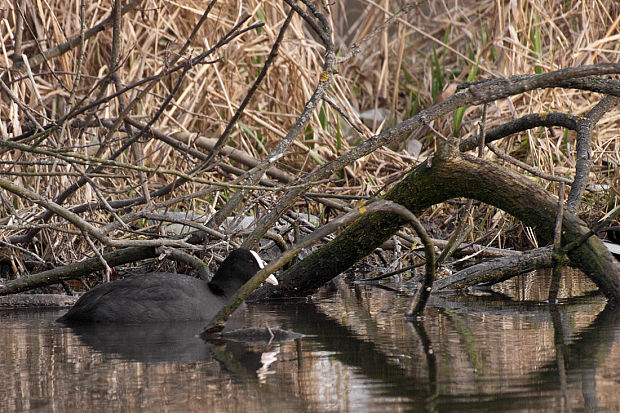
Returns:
point(414, 62)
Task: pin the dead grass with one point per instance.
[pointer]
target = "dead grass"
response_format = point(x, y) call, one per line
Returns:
point(416, 62)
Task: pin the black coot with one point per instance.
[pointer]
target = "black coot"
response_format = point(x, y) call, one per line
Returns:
point(160, 297)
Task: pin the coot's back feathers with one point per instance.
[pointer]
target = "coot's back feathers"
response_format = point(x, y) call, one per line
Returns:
point(157, 297)
point(147, 298)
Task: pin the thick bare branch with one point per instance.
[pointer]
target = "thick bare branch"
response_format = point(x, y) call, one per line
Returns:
point(476, 93)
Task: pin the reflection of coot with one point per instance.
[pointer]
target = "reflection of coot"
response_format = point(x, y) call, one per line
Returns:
point(160, 297)
point(175, 343)
point(154, 342)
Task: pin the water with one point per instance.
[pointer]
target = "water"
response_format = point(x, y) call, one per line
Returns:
point(490, 352)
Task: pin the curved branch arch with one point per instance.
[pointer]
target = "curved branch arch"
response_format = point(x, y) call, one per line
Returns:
point(450, 174)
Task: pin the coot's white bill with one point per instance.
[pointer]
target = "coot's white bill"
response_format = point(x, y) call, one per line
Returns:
point(271, 279)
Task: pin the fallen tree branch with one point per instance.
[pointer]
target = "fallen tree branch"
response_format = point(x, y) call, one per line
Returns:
point(497, 270)
point(417, 305)
point(448, 175)
point(76, 270)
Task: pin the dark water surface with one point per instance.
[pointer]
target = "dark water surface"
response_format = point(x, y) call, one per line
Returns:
point(490, 352)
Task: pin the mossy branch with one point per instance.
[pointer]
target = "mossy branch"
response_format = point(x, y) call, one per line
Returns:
point(217, 323)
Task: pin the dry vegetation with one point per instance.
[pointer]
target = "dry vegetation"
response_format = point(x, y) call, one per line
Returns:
point(416, 61)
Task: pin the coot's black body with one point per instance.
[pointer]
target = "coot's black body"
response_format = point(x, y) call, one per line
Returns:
point(160, 297)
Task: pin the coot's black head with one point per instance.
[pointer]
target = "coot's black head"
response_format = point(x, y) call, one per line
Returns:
point(613, 234)
point(240, 265)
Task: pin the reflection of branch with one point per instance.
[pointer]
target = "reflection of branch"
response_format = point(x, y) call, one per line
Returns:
point(431, 363)
point(583, 356)
point(558, 343)
point(590, 347)
point(417, 304)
